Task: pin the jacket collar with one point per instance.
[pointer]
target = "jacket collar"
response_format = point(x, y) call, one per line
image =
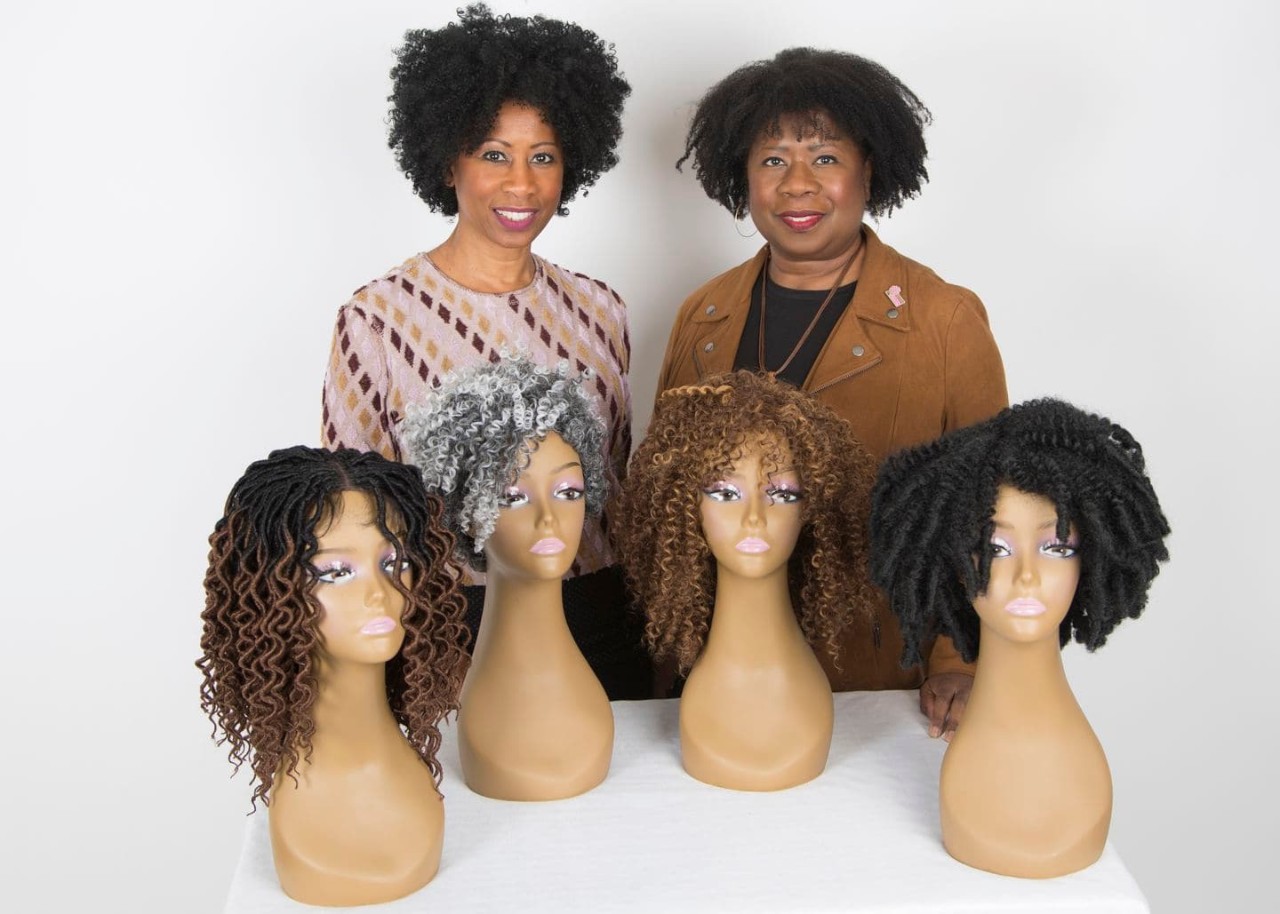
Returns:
point(882, 298)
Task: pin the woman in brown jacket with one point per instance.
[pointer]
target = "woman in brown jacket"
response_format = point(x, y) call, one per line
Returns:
point(808, 143)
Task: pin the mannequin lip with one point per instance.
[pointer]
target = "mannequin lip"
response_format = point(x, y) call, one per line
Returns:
point(382, 625)
point(752, 546)
point(548, 545)
point(1025, 606)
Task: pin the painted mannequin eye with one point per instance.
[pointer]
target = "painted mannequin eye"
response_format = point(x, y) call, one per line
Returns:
point(512, 498)
point(333, 573)
point(722, 491)
point(781, 495)
point(569, 493)
point(999, 548)
point(1058, 550)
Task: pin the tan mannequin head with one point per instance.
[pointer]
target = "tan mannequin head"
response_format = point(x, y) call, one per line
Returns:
point(480, 434)
point(1034, 573)
point(540, 515)
point(314, 548)
point(771, 435)
point(752, 514)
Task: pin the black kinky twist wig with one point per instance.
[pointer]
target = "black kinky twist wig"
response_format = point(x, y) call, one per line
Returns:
point(825, 91)
point(448, 84)
point(931, 520)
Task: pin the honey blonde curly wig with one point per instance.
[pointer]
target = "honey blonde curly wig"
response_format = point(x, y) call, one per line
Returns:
point(696, 435)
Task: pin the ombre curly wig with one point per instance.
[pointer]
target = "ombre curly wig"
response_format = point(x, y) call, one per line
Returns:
point(448, 84)
point(696, 435)
point(932, 524)
point(261, 638)
point(476, 433)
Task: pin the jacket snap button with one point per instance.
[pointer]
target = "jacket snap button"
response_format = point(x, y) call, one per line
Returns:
point(708, 347)
point(711, 309)
point(858, 351)
point(891, 313)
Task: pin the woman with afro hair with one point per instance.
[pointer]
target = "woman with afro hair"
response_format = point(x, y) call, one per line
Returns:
point(332, 649)
point(498, 121)
point(742, 526)
point(808, 143)
point(1012, 537)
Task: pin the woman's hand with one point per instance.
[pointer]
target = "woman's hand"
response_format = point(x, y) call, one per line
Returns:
point(943, 697)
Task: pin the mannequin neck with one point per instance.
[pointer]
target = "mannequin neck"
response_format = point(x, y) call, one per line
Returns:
point(351, 709)
point(522, 617)
point(482, 266)
point(753, 617)
point(1019, 677)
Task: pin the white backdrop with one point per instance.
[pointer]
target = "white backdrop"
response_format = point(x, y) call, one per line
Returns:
point(191, 190)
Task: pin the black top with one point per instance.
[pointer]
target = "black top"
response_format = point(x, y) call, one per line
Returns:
point(789, 313)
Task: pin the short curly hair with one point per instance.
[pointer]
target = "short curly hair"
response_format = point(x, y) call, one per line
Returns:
point(448, 85)
point(931, 520)
point(696, 435)
point(261, 618)
point(823, 89)
point(477, 432)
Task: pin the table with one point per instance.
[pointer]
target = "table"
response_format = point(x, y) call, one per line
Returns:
point(861, 837)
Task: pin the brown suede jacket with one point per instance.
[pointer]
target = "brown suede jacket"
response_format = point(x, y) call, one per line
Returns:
point(911, 358)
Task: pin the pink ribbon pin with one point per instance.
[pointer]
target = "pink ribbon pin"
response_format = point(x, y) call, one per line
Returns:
point(895, 296)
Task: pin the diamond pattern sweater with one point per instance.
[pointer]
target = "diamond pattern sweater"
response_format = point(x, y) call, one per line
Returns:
point(400, 335)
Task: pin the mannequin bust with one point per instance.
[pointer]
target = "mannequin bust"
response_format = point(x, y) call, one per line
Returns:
point(742, 530)
point(1029, 529)
point(517, 454)
point(332, 648)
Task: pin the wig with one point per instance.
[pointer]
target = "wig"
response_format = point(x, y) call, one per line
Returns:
point(696, 435)
point(261, 617)
point(932, 521)
point(826, 91)
point(448, 84)
point(476, 435)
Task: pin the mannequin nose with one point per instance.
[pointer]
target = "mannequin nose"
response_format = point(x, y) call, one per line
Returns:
point(753, 510)
point(378, 591)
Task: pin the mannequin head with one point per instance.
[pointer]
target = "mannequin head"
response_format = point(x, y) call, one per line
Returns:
point(297, 529)
point(943, 516)
point(540, 515)
point(763, 437)
point(479, 433)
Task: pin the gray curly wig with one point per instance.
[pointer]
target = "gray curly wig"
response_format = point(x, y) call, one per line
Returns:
point(476, 434)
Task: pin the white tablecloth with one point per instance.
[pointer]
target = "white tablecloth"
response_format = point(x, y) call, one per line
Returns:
point(861, 837)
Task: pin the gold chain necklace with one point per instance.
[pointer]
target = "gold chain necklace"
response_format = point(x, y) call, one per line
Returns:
point(764, 284)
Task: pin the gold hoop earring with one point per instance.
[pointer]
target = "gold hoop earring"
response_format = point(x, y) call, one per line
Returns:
point(737, 218)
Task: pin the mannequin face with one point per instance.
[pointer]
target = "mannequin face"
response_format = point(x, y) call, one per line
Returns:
point(752, 516)
point(354, 567)
point(509, 186)
point(1033, 573)
point(540, 516)
point(808, 195)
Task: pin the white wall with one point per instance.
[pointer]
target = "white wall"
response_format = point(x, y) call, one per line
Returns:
point(191, 190)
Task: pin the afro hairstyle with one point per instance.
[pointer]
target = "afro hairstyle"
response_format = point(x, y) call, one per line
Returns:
point(448, 84)
point(823, 91)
